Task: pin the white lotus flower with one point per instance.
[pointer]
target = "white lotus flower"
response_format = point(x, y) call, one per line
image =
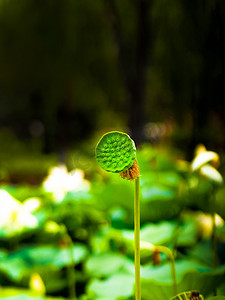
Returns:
point(206, 163)
point(32, 204)
point(14, 217)
point(204, 157)
point(60, 181)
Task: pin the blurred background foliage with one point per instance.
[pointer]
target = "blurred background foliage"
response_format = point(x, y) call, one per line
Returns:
point(72, 70)
point(72, 237)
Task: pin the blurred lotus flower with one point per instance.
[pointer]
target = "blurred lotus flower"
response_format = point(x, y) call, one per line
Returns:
point(206, 163)
point(212, 174)
point(205, 223)
point(14, 217)
point(202, 157)
point(32, 204)
point(36, 284)
point(60, 181)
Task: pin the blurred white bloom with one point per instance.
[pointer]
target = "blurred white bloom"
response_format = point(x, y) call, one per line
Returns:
point(206, 224)
point(13, 215)
point(60, 181)
point(206, 163)
point(203, 157)
point(212, 174)
point(31, 204)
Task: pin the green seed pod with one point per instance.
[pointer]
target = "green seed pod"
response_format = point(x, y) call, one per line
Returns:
point(115, 141)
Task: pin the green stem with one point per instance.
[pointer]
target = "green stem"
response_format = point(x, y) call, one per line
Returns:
point(170, 256)
point(137, 238)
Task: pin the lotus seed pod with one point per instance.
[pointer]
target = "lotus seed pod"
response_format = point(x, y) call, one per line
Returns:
point(120, 149)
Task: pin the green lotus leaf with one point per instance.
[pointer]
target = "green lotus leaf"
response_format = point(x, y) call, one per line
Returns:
point(23, 294)
point(21, 262)
point(157, 192)
point(115, 152)
point(157, 234)
point(106, 264)
point(118, 286)
point(191, 275)
point(188, 233)
point(157, 201)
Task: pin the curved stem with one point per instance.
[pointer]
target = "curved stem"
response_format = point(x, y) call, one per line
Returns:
point(137, 238)
point(170, 255)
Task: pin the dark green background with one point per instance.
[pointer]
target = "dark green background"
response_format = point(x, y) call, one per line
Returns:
point(71, 68)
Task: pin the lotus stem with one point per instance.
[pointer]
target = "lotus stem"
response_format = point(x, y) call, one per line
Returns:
point(137, 238)
point(170, 256)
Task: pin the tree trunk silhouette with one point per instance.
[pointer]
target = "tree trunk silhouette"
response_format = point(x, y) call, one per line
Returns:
point(133, 70)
